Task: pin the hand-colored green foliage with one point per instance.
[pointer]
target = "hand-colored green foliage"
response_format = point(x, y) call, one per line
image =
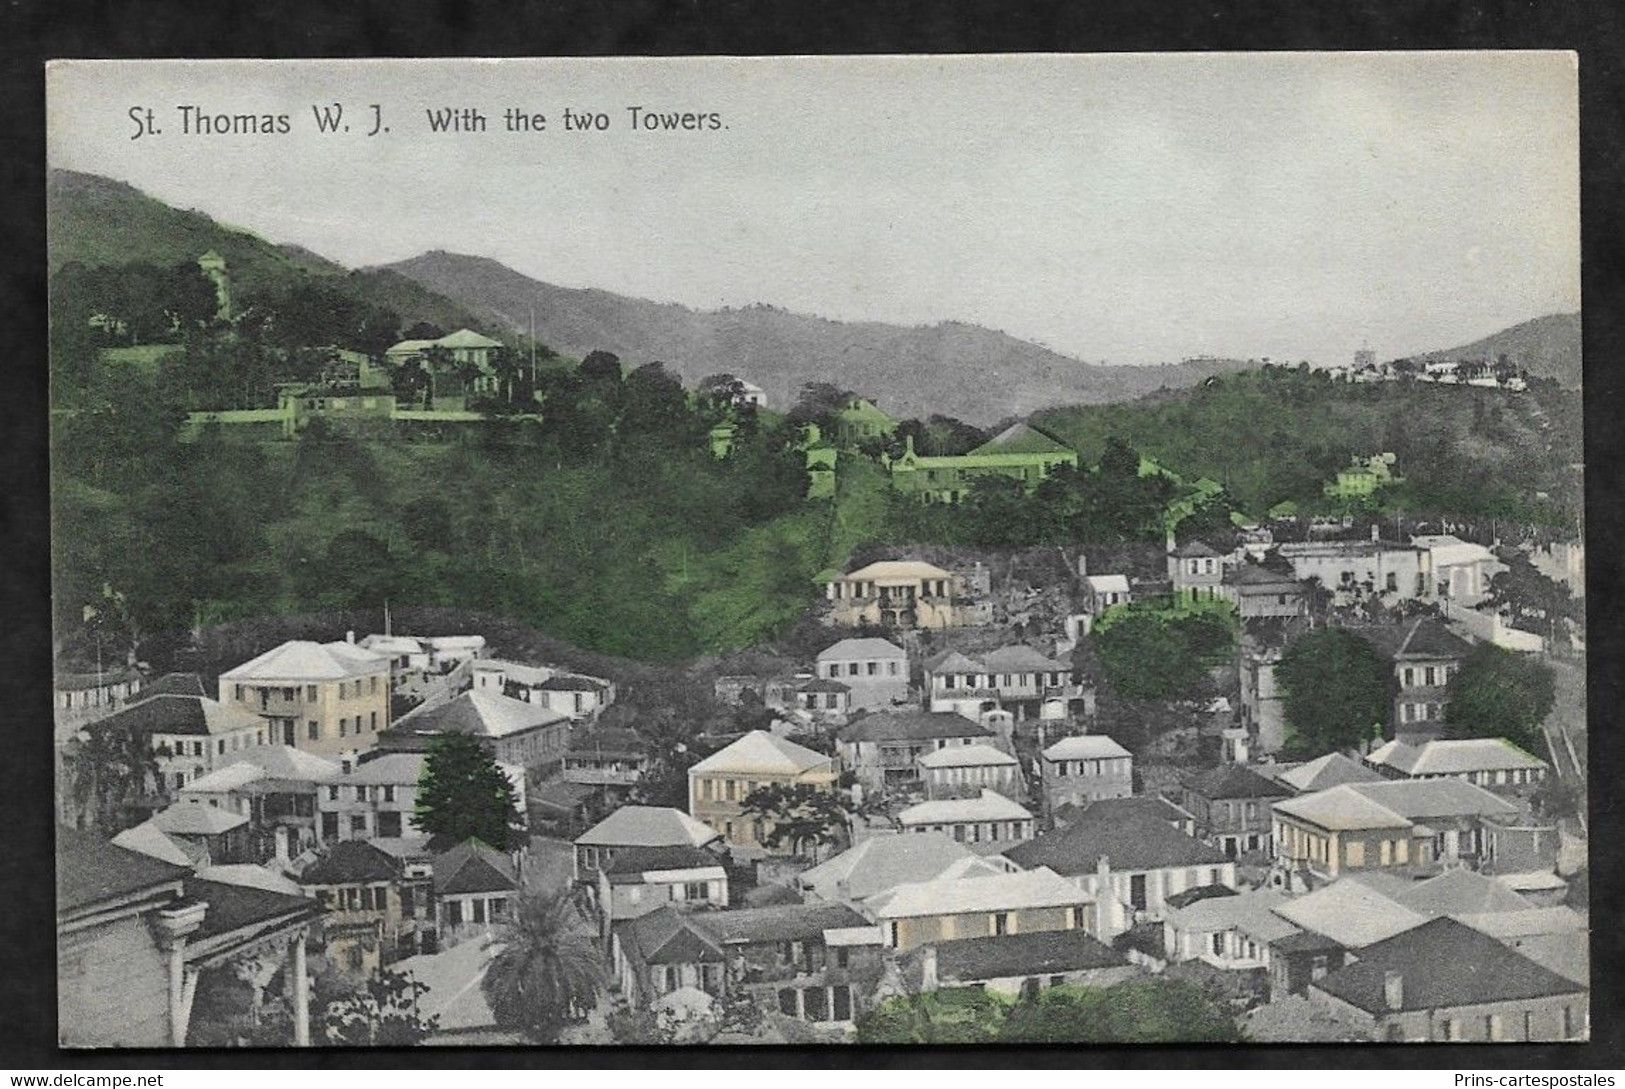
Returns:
point(1147, 653)
point(464, 794)
point(799, 815)
point(1335, 691)
point(957, 1015)
point(1501, 693)
point(1146, 1011)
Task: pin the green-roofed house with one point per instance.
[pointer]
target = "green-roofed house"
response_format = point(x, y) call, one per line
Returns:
point(862, 419)
point(1020, 452)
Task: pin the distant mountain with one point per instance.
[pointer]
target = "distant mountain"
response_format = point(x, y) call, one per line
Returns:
point(98, 221)
point(976, 374)
point(1547, 347)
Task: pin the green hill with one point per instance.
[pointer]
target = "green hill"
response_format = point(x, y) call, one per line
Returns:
point(96, 221)
point(1278, 434)
point(1547, 347)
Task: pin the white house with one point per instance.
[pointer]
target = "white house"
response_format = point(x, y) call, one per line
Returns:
point(876, 671)
point(988, 823)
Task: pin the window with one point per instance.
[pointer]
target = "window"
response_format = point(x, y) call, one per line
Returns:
point(1218, 945)
point(1136, 891)
point(1452, 1028)
point(361, 793)
point(315, 730)
point(843, 956)
point(1492, 1026)
point(372, 685)
point(221, 744)
point(842, 1003)
point(891, 669)
point(706, 793)
point(873, 669)
point(1001, 923)
point(344, 726)
point(1077, 917)
point(814, 1001)
point(358, 824)
point(730, 789)
point(893, 936)
point(310, 693)
point(852, 669)
point(1392, 583)
point(697, 890)
point(240, 693)
point(332, 793)
point(372, 720)
point(454, 912)
point(479, 911)
point(389, 824)
point(1409, 676)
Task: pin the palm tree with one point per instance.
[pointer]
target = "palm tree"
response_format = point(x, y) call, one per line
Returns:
point(548, 973)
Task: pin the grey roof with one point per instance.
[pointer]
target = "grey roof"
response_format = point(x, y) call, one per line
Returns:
point(89, 869)
point(1038, 953)
point(913, 725)
point(782, 922)
point(1235, 781)
point(1443, 964)
point(647, 826)
point(883, 862)
point(1129, 837)
point(190, 716)
point(351, 862)
point(471, 867)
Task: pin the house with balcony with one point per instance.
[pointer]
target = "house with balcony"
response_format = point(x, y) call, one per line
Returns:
point(1084, 769)
point(275, 787)
point(962, 771)
point(515, 732)
point(982, 906)
point(374, 799)
point(643, 879)
point(325, 698)
point(476, 888)
point(374, 908)
point(1414, 825)
point(1127, 859)
point(82, 697)
point(874, 672)
point(897, 594)
point(1232, 806)
point(1490, 762)
point(987, 824)
point(1016, 678)
point(719, 785)
point(607, 757)
point(639, 826)
point(883, 749)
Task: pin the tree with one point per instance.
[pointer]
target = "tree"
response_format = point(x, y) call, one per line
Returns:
point(1143, 1011)
point(1146, 654)
point(1500, 693)
point(110, 771)
point(1335, 689)
point(382, 1012)
point(954, 1015)
point(464, 794)
point(548, 974)
point(1534, 602)
point(798, 814)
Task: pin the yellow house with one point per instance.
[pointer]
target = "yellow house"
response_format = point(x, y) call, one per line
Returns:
point(898, 594)
point(325, 698)
point(719, 784)
point(982, 906)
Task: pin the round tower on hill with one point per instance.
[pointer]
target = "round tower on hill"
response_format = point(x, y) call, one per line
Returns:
point(214, 267)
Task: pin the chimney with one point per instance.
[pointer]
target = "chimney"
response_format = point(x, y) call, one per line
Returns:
point(928, 969)
point(346, 763)
point(282, 858)
point(349, 636)
point(1393, 991)
point(1376, 532)
point(1103, 872)
point(1083, 566)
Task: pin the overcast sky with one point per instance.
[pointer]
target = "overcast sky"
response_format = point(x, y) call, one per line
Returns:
point(1131, 208)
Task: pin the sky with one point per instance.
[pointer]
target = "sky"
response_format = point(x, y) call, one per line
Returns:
point(1127, 208)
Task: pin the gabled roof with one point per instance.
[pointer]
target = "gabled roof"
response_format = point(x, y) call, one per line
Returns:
point(647, 826)
point(760, 751)
point(1108, 584)
point(1430, 799)
point(1021, 438)
point(1235, 781)
point(989, 806)
point(146, 839)
point(1021, 659)
point(1038, 953)
point(1429, 639)
point(191, 716)
point(196, 819)
point(779, 923)
point(1129, 837)
point(1342, 808)
point(1350, 913)
point(467, 338)
point(239, 907)
point(899, 570)
point(287, 762)
point(952, 661)
point(250, 876)
point(912, 725)
point(1195, 547)
point(1333, 769)
point(1085, 747)
point(1461, 892)
point(667, 936)
point(573, 682)
point(91, 870)
point(1454, 757)
point(473, 866)
point(478, 714)
point(67, 680)
point(298, 661)
point(172, 684)
point(1250, 913)
point(1442, 964)
point(883, 862)
point(1255, 574)
point(387, 769)
point(637, 861)
point(862, 649)
point(1034, 888)
point(351, 862)
point(226, 779)
point(966, 756)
